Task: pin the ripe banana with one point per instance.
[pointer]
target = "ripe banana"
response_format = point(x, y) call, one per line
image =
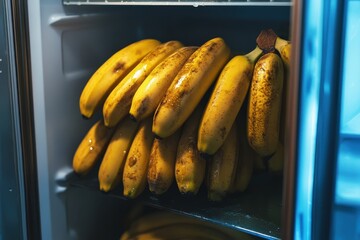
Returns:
point(264, 106)
point(225, 101)
point(284, 48)
point(182, 231)
point(222, 168)
point(110, 73)
point(152, 90)
point(91, 147)
point(155, 220)
point(246, 159)
point(162, 163)
point(117, 104)
point(160, 219)
point(190, 165)
point(189, 86)
point(137, 161)
point(111, 167)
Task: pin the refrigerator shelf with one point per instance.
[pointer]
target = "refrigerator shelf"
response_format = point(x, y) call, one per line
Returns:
point(183, 2)
point(256, 212)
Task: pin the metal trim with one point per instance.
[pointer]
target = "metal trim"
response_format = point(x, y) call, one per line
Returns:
point(23, 72)
point(290, 149)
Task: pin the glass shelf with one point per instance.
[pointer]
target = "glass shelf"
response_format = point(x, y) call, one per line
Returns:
point(256, 211)
point(183, 2)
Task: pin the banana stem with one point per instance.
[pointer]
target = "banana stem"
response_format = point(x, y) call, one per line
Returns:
point(254, 54)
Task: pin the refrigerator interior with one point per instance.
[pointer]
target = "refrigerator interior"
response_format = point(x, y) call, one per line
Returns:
point(68, 42)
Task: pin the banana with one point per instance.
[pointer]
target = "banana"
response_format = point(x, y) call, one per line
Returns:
point(111, 167)
point(190, 165)
point(189, 86)
point(222, 168)
point(162, 163)
point(110, 73)
point(225, 101)
point(264, 106)
point(276, 161)
point(155, 220)
point(182, 231)
point(137, 161)
point(91, 147)
point(159, 219)
point(246, 159)
point(117, 104)
point(151, 91)
point(284, 48)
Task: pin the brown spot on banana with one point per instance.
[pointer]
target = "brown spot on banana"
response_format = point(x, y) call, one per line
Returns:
point(119, 66)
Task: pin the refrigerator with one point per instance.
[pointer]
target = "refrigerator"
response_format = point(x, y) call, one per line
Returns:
point(50, 48)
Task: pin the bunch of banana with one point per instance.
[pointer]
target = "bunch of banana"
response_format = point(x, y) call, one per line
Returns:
point(223, 166)
point(162, 163)
point(225, 101)
point(190, 165)
point(109, 74)
point(91, 147)
point(111, 168)
point(137, 161)
point(152, 90)
point(264, 105)
point(189, 86)
point(117, 104)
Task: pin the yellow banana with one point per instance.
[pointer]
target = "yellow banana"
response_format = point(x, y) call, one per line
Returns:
point(91, 147)
point(111, 167)
point(160, 219)
point(284, 48)
point(110, 73)
point(246, 159)
point(190, 165)
point(222, 168)
point(117, 104)
point(276, 161)
point(162, 163)
point(137, 161)
point(264, 107)
point(152, 90)
point(189, 86)
point(182, 231)
point(225, 101)
point(155, 220)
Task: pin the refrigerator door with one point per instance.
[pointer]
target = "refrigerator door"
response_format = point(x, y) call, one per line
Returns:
point(13, 213)
point(346, 219)
point(315, 122)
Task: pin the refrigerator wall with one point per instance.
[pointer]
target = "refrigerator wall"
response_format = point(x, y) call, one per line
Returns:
point(68, 43)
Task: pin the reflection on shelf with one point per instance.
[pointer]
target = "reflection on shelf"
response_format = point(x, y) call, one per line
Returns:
point(256, 211)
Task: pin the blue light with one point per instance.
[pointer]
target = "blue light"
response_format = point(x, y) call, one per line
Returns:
point(309, 98)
